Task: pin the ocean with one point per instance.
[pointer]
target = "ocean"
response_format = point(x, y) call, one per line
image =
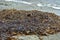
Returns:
point(42, 5)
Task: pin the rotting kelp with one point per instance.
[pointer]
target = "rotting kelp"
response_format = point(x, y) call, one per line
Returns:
point(14, 22)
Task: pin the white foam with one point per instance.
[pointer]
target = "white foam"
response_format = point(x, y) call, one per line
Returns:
point(24, 2)
point(39, 5)
point(20, 1)
point(55, 7)
point(49, 5)
point(9, 0)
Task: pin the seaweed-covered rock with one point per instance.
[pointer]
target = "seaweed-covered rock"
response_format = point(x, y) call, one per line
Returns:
point(14, 22)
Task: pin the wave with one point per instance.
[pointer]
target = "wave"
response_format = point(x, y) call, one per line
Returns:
point(50, 5)
point(20, 1)
point(54, 6)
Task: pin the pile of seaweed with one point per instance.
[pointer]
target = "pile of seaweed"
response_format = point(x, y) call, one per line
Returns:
point(14, 22)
